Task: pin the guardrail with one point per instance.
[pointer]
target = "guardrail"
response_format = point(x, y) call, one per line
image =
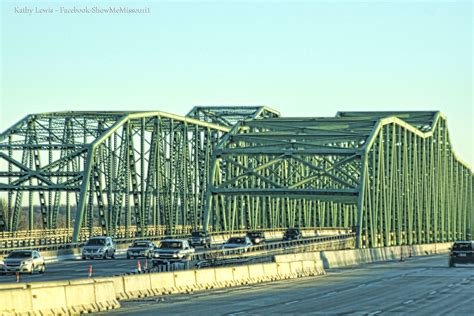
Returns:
point(57, 241)
point(267, 247)
point(254, 254)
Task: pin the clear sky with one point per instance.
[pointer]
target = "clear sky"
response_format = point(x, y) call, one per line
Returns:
point(307, 58)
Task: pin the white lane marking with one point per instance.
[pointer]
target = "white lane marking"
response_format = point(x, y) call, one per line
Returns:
point(374, 313)
point(330, 293)
point(451, 285)
point(238, 313)
point(292, 302)
point(408, 302)
point(433, 292)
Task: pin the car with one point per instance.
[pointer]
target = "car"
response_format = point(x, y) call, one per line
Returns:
point(23, 261)
point(99, 247)
point(200, 238)
point(141, 248)
point(292, 234)
point(462, 252)
point(237, 242)
point(172, 250)
point(256, 237)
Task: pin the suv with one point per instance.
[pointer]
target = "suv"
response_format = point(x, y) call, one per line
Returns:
point(292, 234)
point(256, 237)
point(99, 247)
point(172, 250)
point(461, 252)
point(200, 238)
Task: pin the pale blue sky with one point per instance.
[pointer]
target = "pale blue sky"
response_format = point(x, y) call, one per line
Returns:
point(308, 58)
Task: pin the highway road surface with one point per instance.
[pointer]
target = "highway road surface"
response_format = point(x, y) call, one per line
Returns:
point(418, 286)
point(76, 269)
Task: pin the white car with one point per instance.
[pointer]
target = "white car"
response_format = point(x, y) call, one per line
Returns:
point(237, 242)
point(29, 261)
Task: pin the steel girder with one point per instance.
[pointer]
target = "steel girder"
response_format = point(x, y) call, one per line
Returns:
point(391, 175)
point(230, 115)
point(143, 168)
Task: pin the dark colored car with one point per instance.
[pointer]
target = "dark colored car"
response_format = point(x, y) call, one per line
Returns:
point(292, 234)
point(200, 238)
point(141, 248)
point(462, 252)
point(256, 237)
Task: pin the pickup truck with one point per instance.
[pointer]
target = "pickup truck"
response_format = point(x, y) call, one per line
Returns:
point(172, 250)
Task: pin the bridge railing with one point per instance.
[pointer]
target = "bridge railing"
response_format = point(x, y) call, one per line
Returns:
point(62, 238)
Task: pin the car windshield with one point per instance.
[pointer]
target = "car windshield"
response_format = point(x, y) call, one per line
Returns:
point(466, 246)
point(20, 254)
point(292, 232)
point(140, 244)
point(236, 240)
point(254, 234)
point(198, 234)
point(96, 242)
point(171, 245)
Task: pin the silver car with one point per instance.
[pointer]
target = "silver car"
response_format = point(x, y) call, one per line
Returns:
point(23, 261)
point(99, 247)
point(237, 243)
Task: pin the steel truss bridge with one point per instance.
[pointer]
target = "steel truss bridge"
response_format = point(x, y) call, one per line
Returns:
point(392, 176)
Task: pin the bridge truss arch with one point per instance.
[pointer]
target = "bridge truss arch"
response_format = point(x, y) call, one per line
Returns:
point(393, 176)
point(143, 173)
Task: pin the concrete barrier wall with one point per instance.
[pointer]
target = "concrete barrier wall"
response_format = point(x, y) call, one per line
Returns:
point(133, 286)
point(15, 301)
point(343, 258)
point(58, 298)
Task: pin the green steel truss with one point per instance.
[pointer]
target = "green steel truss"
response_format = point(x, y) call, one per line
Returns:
point(391, 175)
point(143, 168)
point(230, 115)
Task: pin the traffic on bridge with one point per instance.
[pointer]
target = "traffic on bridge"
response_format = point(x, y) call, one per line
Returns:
point(98, 208)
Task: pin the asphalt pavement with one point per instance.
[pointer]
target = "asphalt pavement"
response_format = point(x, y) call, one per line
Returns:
point(77, 269)
point(417, 286)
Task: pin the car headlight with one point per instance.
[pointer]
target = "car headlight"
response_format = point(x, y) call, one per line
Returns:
point(156, 255)
point(175, 255)
point(25, 263)
point(257, 239)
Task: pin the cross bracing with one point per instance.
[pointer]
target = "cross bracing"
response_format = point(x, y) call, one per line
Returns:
point(230, 115)
point(391, 175)
point(111, 169)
